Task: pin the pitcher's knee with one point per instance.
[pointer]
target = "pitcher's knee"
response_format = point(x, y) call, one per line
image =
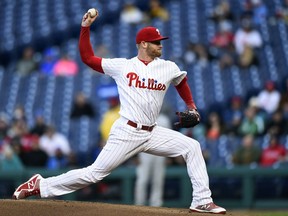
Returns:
point(193, 147)
point(197, 144)
point(193, 144)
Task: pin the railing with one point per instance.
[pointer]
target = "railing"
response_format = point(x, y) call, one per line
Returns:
point(125, 176)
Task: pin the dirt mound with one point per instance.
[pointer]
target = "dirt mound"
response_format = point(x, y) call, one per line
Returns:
point(74, 208)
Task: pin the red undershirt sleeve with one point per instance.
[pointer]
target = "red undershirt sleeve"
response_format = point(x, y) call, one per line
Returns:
point(86, 51)
point(185, 93)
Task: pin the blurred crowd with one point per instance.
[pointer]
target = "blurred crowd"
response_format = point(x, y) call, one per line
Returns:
point(40, 144)
point(55, 61)
point(236, 42)
point(237, 37)
point(260, 124)
point(264, 115)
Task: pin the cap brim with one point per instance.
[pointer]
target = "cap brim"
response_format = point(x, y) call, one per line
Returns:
point(158, 39)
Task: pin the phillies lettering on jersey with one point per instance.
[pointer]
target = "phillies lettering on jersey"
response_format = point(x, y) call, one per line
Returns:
point(152, 84)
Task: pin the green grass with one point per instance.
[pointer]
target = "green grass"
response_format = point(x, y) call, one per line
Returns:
point(274, 214)
point(262, 213)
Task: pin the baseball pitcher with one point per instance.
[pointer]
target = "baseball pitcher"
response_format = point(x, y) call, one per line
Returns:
point(142, 83)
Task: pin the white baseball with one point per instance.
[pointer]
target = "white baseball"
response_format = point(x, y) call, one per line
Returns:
point(93, 12)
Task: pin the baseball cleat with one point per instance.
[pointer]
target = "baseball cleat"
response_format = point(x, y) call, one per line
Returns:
point(28, 188)
point(209, 208)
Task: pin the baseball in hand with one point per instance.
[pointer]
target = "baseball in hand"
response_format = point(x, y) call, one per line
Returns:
point(93, 12)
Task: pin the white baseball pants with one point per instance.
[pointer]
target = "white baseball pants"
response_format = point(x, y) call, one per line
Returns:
point(124, 142)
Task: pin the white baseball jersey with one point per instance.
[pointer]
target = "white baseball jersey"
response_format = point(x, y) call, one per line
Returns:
point(142, 87)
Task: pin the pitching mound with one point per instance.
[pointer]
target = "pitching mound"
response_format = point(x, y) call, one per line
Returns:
point(74, 208)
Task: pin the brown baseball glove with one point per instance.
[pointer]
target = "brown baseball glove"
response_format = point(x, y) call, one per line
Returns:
point(187, 119)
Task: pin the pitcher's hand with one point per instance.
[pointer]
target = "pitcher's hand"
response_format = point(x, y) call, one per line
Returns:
point(88, 20)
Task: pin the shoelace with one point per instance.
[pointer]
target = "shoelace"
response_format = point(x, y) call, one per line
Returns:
point(32, 193)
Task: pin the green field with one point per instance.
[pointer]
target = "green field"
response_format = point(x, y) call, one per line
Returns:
point(258, 213)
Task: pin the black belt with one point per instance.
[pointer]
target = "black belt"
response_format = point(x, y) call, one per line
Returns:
point(144, 127)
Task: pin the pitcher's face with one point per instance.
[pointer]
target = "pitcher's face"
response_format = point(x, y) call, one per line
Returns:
point(154, 49)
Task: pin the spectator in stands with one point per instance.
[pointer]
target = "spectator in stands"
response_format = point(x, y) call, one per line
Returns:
point(40, 125)
point(56, 146)
point(15, 129)
point(246, 9)
point(276, 124)
point(222, 45)
point(109, 117)
point(19, 130)
point(196, 53)
point(269, 98)
point(131, 14)
point(252, 123)
point(282, 12)
point(222, 11)
point(224, 37)
point(157, 11)
point(65, 66)
point(256, 10)
point(284, 92)
point(15, 143)
point(49, 58)
point(233, 115)
point(24, 144)
point(260, 12)
point(248, 153)
point(214, 126)
point(246, 40)
point(4, 126)
point(274, 153)
point(27, 63)
point(151, 169)
point(284, 109)
point(283, 105)
point(35, 157)
point(19, 113)
point(9, 160)
point(81, 107)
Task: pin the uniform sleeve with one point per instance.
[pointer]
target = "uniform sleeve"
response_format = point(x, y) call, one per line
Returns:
point(186, 94)
point(182, 87)
point(86, 51)
point(113, 67)
point(178, 75)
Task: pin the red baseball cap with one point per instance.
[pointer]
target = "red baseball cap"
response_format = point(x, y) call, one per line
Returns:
point(149, 34)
